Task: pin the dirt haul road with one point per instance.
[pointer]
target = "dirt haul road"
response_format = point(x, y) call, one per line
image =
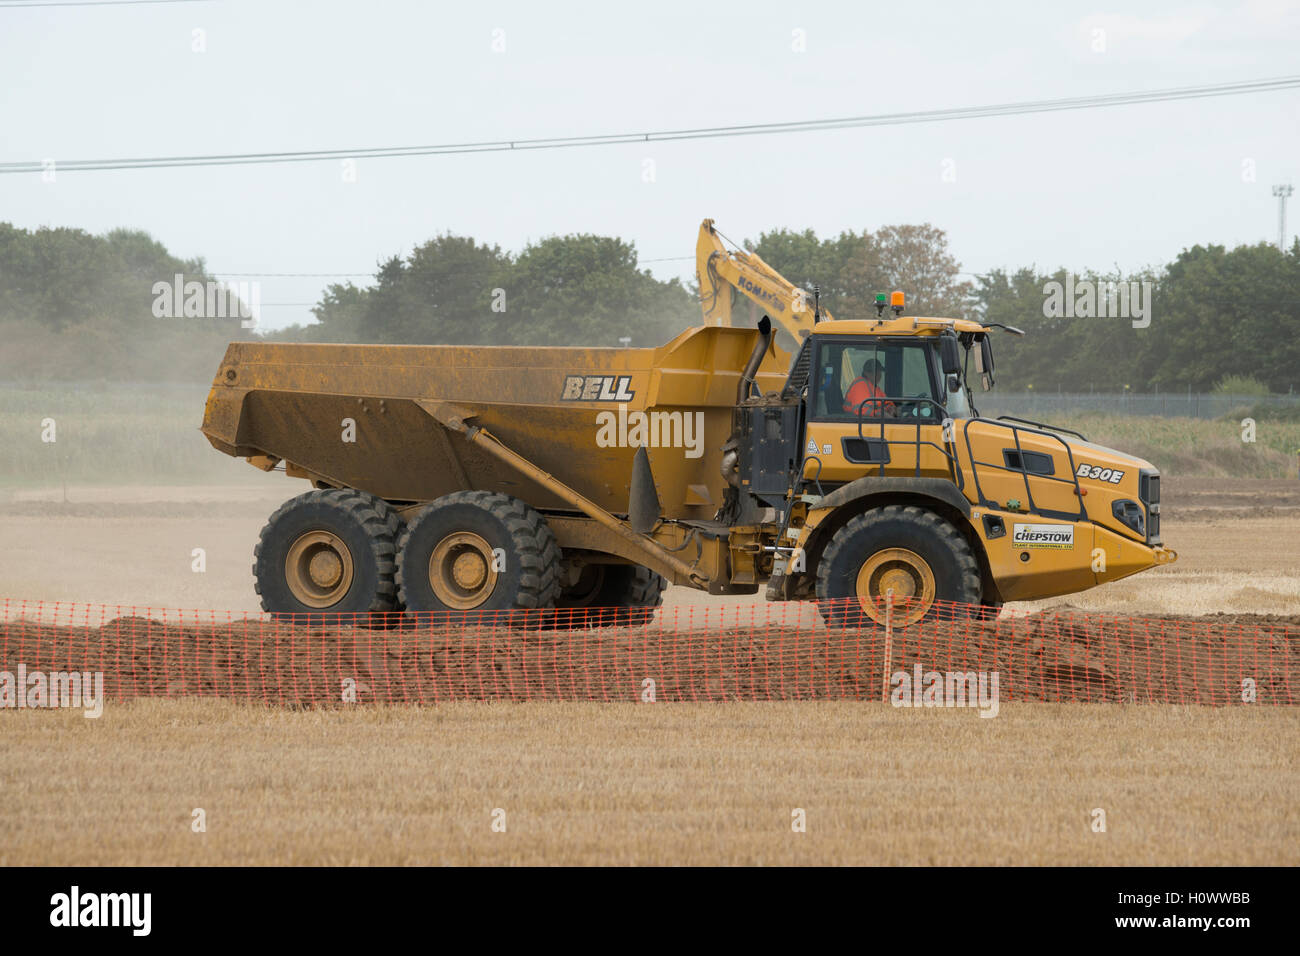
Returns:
point(1238, 543)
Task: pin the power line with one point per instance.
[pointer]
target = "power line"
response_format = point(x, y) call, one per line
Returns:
point(710, 132)
point(297, 275)
point(363, 275)
point(10, 4)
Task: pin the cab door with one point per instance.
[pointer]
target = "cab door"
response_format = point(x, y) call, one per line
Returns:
point(875, 408)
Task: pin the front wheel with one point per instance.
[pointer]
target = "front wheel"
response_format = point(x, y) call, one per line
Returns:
point(905, 549)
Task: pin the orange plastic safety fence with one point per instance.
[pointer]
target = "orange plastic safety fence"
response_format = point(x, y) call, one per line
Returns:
point(782, 651)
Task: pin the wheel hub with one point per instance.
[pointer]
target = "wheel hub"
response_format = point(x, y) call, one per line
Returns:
point(325, 569)
point(318, 569)
point(907, 575)
point(462, 570)
point(468, 570)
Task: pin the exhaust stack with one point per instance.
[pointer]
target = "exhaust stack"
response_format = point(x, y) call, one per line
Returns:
point(756, 359)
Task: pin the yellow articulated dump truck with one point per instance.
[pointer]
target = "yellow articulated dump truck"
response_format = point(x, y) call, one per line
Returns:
point(503, 479)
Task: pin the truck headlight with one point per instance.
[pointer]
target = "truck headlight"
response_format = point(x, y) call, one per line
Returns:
point(1130, 514)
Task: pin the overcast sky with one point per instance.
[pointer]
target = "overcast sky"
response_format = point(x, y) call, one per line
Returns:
point(1127, 186)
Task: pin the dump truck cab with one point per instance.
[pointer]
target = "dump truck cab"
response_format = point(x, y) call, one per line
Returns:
point(881, 414)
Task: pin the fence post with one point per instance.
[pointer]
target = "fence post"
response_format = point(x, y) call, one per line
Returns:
point(889, 644)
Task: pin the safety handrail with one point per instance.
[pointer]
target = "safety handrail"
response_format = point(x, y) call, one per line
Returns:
point(883, 400)
point(1055, 428)
point(1081, 515)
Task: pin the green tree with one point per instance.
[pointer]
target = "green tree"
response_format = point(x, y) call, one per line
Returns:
point(441, 292)
point(852, 267)
point(79, 306)
point(808, 261)
point(1063, 352)
point(1227, 313)
point(587, 290)
point(914, 259)
point(562, 290)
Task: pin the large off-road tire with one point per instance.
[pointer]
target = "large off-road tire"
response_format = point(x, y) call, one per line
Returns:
point(609, 595)
point(327, 553)
point(478, 553)
point(918, 554)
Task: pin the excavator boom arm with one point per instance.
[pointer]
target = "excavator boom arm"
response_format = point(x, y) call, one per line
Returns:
point(719, 270)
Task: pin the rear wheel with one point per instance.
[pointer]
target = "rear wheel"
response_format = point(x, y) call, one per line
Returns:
point(905, 549)
point(609, 595)
point(326, 553)
point(477, 551)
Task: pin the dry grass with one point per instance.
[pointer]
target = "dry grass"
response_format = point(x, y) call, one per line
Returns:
point(109, 435)
point(650, 784)
point(1201, 447)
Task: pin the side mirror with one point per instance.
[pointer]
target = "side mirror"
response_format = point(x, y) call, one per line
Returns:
point(986, 362)
point(950, 354)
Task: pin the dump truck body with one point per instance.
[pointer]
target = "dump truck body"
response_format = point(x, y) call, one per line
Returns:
point(573, 412)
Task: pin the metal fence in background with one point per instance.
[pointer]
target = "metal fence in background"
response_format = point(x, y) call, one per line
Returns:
point(1167, 404)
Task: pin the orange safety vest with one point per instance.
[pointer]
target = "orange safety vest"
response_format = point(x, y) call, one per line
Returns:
point(859, 392)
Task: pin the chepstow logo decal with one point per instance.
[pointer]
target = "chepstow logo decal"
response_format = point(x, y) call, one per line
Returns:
point(597, 388)
point(1043, 535)
point(1113, 475)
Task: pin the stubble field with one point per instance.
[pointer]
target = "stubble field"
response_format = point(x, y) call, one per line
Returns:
point(663, 784)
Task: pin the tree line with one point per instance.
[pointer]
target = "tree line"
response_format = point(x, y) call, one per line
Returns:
point(79, 306)
point(76, 307)
point(1215, 316)
point(562, 290)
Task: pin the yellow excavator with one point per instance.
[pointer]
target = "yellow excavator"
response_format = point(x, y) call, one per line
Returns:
point(531, 481)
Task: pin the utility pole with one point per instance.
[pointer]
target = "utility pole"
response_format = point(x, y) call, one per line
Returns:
point(1282, 193)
